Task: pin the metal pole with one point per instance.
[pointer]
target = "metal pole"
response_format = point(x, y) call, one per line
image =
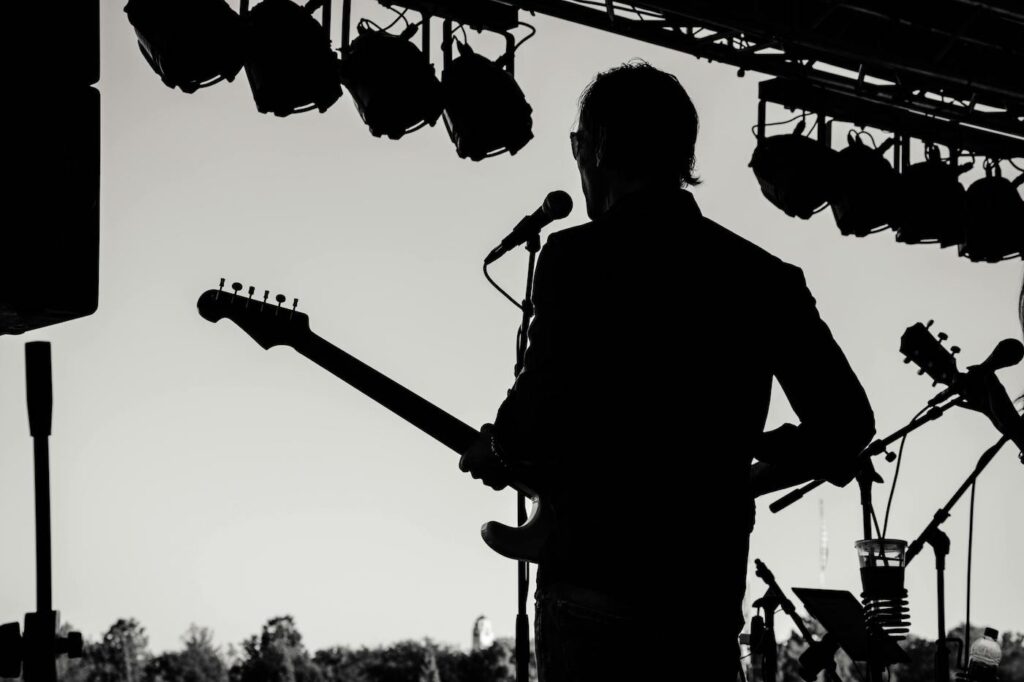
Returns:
point(39, 391)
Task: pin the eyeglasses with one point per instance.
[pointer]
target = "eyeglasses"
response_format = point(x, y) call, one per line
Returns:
point(574, 141)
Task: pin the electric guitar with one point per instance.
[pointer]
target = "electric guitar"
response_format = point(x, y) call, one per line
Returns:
point(276, 325)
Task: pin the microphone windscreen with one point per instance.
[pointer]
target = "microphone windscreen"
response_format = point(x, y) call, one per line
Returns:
point(1007, 353)
point(557, 205)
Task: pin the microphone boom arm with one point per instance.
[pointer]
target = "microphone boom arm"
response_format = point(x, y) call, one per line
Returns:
point(875, 448)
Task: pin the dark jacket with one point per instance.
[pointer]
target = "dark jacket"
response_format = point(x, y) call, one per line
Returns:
point(646, 387)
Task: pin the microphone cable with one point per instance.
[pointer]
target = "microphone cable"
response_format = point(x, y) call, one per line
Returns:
point(896, 475)
point(504, 293)
point(970, 552)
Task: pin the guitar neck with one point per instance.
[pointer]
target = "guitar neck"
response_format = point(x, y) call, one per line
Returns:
point(421, 413)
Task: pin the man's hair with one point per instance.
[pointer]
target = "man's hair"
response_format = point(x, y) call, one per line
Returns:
point(644, 119)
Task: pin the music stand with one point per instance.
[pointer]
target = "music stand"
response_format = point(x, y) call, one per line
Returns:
point(842, 616)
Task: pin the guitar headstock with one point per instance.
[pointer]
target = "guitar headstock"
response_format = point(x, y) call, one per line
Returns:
point(919, 346)
point(269, 323)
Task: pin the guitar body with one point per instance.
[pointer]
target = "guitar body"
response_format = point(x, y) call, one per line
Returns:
point(274, 325)
point(522, 543)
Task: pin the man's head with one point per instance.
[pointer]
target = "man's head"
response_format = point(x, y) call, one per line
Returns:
point(637, 128)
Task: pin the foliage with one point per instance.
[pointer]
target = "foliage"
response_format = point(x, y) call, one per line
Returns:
point(921, 653)
point(278, 655)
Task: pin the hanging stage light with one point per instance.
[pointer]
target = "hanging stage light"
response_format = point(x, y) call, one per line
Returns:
point(931, 204)
point(289, 60)
point(189, 43)
point(391, 81)
point(485, 111)
point(995, 226)
point(864, 188)
point(794, 172)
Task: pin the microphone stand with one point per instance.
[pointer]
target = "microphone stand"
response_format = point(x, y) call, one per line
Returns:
point(864, 458)
point(38, 649)
point(865, 478)
point(820, 655)
point(767, 646)
point(940, 543)
point(523, 567)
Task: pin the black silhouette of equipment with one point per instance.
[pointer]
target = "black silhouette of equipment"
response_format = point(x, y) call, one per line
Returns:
point(50, 270)
point(33, 654)
point(842, 616)
point(819, 656)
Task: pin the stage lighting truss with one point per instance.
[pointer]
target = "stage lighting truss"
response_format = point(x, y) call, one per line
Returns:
point(485, 111)
point(794, 171)
point(190, 44)
point(995, 217)
point(392, 82)
point(932, 204)
point(289, 60)
point(291, 67)
point(923, 202)
point(863, 192)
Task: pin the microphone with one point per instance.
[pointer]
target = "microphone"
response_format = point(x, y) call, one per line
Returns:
point(556, 205)
point(1007, 353)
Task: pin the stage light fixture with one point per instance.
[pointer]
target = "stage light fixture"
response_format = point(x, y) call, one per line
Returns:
point(863, 189)
point(485, 111)
point(794, 172)
point(289, 60)
point(995, 225)
point(931, 204)
point(391, 81)
point(190, 44)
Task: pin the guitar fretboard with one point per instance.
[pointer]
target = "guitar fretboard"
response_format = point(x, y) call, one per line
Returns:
point(419, 412)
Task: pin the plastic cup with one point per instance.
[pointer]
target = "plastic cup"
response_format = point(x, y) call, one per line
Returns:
point(882, 564)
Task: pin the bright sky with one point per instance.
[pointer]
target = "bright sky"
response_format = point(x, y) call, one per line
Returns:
point(198, 478)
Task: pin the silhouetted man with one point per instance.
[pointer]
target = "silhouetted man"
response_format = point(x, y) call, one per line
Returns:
point(644, 398)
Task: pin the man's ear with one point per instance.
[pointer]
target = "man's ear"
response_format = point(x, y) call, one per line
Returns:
point(597, 139)
point(599, 147)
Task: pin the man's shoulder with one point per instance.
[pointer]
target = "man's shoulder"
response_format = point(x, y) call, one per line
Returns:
point(705, 238)
point(577, 234)
point(734, 246)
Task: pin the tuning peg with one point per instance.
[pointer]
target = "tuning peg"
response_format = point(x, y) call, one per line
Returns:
point(929, 325)
point(280, 298)
point(954, 350)
point(219, 289)
point(920, 372)
point(942, 336)
point(295, 304)
point(237, 286)
point(906, 361)
point(266, 293)
point(252, 290)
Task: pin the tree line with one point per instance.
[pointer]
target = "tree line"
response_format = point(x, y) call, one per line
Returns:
point(277, 654)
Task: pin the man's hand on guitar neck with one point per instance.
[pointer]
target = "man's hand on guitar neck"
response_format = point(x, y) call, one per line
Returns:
point(482, 462)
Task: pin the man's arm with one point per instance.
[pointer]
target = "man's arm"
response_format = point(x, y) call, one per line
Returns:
point(836, 420)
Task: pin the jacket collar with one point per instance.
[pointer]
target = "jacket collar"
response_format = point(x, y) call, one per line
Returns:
point(656, 201)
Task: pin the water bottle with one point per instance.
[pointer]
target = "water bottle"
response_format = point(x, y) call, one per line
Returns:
point(984, 659)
